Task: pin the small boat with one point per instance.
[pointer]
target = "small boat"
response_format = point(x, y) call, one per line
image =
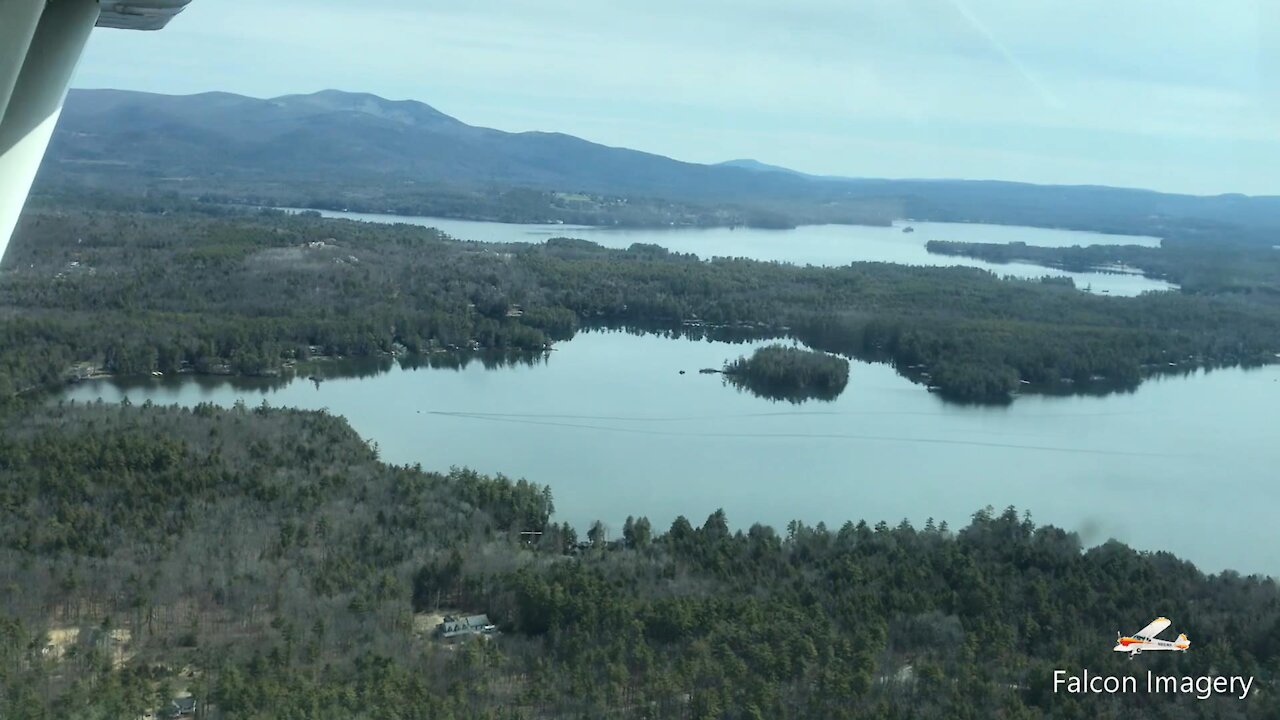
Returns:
point(908, 229)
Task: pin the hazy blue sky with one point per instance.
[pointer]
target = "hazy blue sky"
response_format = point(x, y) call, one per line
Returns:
point(1168, 94)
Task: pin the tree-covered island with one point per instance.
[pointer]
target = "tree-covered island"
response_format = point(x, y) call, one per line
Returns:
point(795, 374)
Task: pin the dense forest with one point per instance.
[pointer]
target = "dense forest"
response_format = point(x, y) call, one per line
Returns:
point(133, 286)
point(266, 563)
point(794, 374)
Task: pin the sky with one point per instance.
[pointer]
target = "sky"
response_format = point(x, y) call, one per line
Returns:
point(1172, 95)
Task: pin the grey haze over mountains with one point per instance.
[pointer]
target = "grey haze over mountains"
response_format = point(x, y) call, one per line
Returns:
point(357, 140)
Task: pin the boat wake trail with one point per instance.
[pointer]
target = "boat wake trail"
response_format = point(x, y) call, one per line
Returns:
point(559, 421)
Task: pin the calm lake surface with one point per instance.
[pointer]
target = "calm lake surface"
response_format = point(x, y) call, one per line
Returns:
point(1184, 464)
point(818, 244)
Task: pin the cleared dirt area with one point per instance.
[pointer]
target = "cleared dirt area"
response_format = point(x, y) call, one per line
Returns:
point(425, 624)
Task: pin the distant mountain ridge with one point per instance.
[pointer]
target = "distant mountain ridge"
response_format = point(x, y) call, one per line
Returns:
point(757, 166)
point(362, 135)
point(357, 140)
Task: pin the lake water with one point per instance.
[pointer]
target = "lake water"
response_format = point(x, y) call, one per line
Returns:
point(1185, 464)
point(826, 245)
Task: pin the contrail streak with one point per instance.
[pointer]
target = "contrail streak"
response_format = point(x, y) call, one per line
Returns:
point(1044, 92)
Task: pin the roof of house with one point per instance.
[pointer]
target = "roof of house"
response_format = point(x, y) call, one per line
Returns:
point(460, 625)
point(466, 620)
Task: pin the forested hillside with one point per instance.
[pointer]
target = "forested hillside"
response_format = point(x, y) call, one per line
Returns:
point(265, 562)
point(354, 150)
point(169, 286)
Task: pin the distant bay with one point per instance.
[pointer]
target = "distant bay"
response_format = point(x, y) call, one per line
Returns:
point(826, 245)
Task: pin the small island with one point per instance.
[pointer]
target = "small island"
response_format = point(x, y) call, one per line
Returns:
point(794, 374)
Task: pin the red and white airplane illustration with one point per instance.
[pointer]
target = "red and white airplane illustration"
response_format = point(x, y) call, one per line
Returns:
point(1145, 640)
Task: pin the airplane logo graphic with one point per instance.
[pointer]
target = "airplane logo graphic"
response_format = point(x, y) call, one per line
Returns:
point(1145, 640)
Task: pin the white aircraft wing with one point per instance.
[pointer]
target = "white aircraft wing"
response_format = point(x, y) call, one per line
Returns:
point(1156, 627)
point(139, 14)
